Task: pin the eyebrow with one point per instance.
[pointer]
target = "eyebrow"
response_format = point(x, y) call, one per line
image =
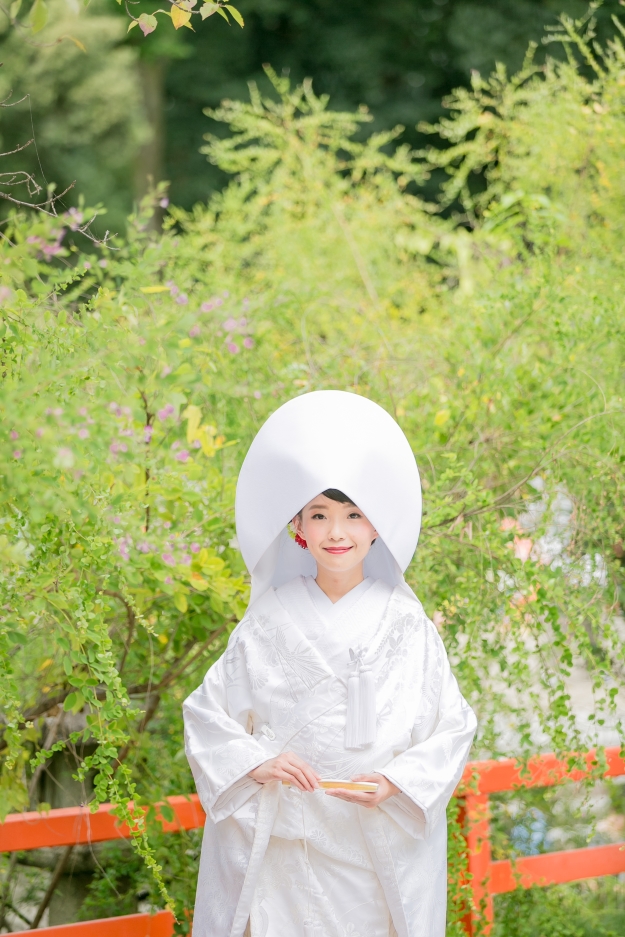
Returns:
point(313, 507)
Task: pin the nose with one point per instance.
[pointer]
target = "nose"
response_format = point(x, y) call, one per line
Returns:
point(336, 531)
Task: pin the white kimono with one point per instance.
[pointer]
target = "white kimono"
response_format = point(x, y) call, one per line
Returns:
point(274, 857)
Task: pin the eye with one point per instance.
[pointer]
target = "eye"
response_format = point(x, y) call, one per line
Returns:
point(355, 515)
point(319, 517)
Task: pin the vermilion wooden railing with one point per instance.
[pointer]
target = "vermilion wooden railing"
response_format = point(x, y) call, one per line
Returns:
point(76, 825)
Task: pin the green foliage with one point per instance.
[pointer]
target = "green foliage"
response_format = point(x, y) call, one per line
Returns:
point(134, 381)
point(83, 102)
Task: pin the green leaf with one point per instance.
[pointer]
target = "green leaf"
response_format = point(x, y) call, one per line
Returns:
point(207, 9)
point(180, 601)
point(167, 813)
point(38, 16)
point(234, 13)
point(67, 666)
point(15, 637)
point(70, 702)
point(15, 8)
point(147, 23)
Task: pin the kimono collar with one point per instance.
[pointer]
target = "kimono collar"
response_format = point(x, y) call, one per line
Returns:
point(327, 439)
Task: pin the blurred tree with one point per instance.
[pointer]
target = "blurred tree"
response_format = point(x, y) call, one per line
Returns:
point(85, 110)
point(399, 58)
point(134, 107)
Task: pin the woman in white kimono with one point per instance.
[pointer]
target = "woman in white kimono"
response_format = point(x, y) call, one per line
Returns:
point(334, 672)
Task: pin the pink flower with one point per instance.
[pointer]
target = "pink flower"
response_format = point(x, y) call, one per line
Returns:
point(226, 293)
point(147, 433)
point(126, 432)
point(195, 548)
point(257, 394)
point(5, 292)
point(166, 370)
point(242, 323)
point(87, 265)
point(248, 342)
point(509, 523)
point(182, 456)
point(164, 202)
point(196, 444)
point(141, 340)
point(169, 580)
point(83, 411)
point(185, 559)
point(83, 433)
point(233, 348)
point(17, 453)
point(14, 434)
point(75, 218)
point(123, 545)
point(57, 411)
point(207, 307)
point(182, 300)
point(175, 445)
point(39, 432)
point(522, 548)
point(168, 559)
point(167, 411)
point(116, 447)
point(194, 331)
point(230, 324)
point(143, 547)
point(117, 519)
point(103, 263)
point(167, 525)
point(173, 289)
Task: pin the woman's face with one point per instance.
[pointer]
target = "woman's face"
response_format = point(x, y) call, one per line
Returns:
point(339, 536)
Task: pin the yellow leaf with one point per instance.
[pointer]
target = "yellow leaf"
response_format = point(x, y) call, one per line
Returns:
point(152, 289)
point(441, 417)
point(45, 664)
point(203, 556)
point(198, 582)
point(193, 416)
point(76, 42)
point(180, 601)
point(14, 8)
point(234, 13)
point(179, 17)
point(132, 25)
point(162, 638)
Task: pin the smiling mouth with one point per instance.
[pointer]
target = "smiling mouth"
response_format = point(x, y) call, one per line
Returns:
point(337, 550)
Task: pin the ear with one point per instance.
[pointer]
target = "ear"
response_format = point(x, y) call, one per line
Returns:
point(297, 524)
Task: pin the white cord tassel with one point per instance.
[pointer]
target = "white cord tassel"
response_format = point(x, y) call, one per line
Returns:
point(360, 727)
point(352, 725)
point(367, 721)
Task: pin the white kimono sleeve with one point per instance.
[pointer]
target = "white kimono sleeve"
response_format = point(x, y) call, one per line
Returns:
point(427, 773)
point(220, 751)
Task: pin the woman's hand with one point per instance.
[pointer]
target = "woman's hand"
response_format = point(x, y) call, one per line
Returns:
point(287, 767)
point(384, 791)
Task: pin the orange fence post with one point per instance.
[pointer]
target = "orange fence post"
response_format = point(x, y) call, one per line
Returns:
point(478, 842)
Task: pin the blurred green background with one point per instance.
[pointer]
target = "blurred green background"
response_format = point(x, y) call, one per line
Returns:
point(133, 107)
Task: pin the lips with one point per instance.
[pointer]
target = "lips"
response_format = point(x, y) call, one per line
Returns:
point(337, 551)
